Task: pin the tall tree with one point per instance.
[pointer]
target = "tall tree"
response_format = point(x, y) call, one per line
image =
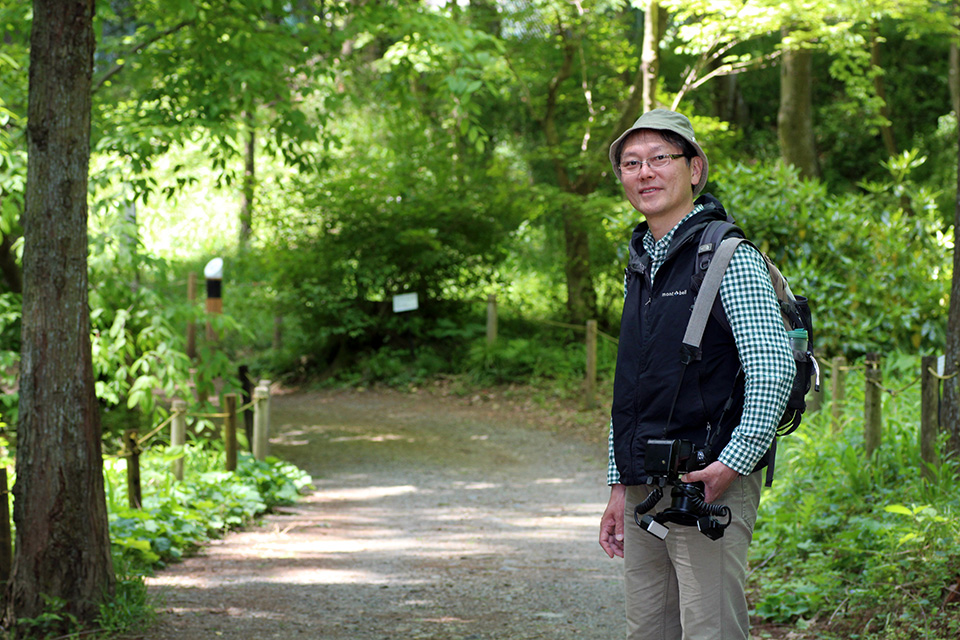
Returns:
point(240, 77)
point(62, 542)
point(580, 70)
point(795, 117)
point(654, 23)
point(951, 386)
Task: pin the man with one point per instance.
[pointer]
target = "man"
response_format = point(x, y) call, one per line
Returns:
point(686, 585)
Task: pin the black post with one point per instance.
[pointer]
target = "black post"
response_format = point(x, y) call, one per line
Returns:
point(134, 497)
point(6, 540)
point(247, 388)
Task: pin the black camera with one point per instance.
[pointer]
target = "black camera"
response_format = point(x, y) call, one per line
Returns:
point(665, 462)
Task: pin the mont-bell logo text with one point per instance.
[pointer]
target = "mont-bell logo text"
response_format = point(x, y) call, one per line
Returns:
point(673, 294)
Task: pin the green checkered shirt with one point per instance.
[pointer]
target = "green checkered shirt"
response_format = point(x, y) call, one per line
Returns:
point(754, 315)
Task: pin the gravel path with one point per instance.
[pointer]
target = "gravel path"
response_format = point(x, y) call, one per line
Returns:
point(432, 518)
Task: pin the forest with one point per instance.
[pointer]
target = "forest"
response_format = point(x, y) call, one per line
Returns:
point(338, 153)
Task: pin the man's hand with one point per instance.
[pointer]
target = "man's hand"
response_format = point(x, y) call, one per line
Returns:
point(611, 524)
point(716, 477)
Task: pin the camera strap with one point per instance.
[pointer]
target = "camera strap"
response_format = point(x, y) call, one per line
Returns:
point(690, 347)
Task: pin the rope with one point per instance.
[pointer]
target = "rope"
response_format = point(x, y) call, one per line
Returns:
point(936, 375)
point(207, 415)
point(170, 418)
point(608, 337)
point(578, 327)
point(563, 325)
point(893, 392)
point(853, 367)
point(157, 429)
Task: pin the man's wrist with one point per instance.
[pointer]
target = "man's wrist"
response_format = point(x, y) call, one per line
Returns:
point(735, 463)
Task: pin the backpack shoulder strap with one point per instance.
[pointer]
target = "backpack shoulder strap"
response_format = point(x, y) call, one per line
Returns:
point(690, 349)
point(713, 234)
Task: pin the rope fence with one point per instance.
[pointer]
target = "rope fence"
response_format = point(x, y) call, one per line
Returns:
point(133, 446)
point(133, 443)
point(930, 380)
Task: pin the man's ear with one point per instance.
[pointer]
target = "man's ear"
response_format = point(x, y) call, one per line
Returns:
point(696, 170)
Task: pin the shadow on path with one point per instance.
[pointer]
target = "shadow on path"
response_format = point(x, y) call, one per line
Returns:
point(430, 519)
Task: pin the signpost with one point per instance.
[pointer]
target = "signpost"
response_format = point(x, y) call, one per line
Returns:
point(213, 272)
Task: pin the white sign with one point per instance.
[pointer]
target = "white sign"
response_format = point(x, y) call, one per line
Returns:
point(405, 302)
point(941, 365)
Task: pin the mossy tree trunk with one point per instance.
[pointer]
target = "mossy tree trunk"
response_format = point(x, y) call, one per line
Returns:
point(795, 117)
point(62, 542)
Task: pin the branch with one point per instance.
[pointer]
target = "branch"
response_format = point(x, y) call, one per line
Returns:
point(549, 116)
point(524, 87)
point(738, 67)
point(118, 67)
point(693, 80)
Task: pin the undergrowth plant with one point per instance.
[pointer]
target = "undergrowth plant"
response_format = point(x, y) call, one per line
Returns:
point(178, 516)
point(850, 546)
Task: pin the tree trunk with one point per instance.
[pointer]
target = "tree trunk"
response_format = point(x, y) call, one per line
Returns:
point(795, 118)
point(654, 22)
point(954, 77)
point(728, 102)
point(62, 543)
point(581, 296)
point(886, 129)
point(950, 416)
point(249, 180)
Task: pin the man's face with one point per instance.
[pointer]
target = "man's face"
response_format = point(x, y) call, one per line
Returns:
point(662, 194)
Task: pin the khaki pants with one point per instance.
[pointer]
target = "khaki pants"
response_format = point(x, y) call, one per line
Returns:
point(689, 587)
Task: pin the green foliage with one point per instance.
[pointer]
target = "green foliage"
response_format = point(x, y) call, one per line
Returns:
point(878, 275)
point(847, 545)
point(178, 516)
point(54, 622)
point(527, 360)
point(130, 608)
point(228, 61)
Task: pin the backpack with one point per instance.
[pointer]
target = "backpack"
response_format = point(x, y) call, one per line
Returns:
point(717, 243)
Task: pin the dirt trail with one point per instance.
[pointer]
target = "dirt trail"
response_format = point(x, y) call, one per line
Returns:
point(431, 519)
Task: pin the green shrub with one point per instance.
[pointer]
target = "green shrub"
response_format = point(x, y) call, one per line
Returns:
point(848, 542)
point(178, 516)
point(877, 275)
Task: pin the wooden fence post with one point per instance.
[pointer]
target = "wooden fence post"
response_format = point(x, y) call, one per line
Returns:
point(261, 420)
point(134, 497)
point(192, 325)
point(491, 319)
point(213, 272)
point(837, 391)
point(230, 430)
point(178, 433)
point(872, 404)
point(591, 381)
point(6, 540)
point(929, 416)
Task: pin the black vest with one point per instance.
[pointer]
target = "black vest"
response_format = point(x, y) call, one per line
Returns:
point(649, 367)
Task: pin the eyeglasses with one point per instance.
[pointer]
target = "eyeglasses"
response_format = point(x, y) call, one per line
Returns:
point(656, 162)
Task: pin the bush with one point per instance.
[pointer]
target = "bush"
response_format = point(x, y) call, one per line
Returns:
point(878, 276)
point(178, 516)
point(851, 545)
